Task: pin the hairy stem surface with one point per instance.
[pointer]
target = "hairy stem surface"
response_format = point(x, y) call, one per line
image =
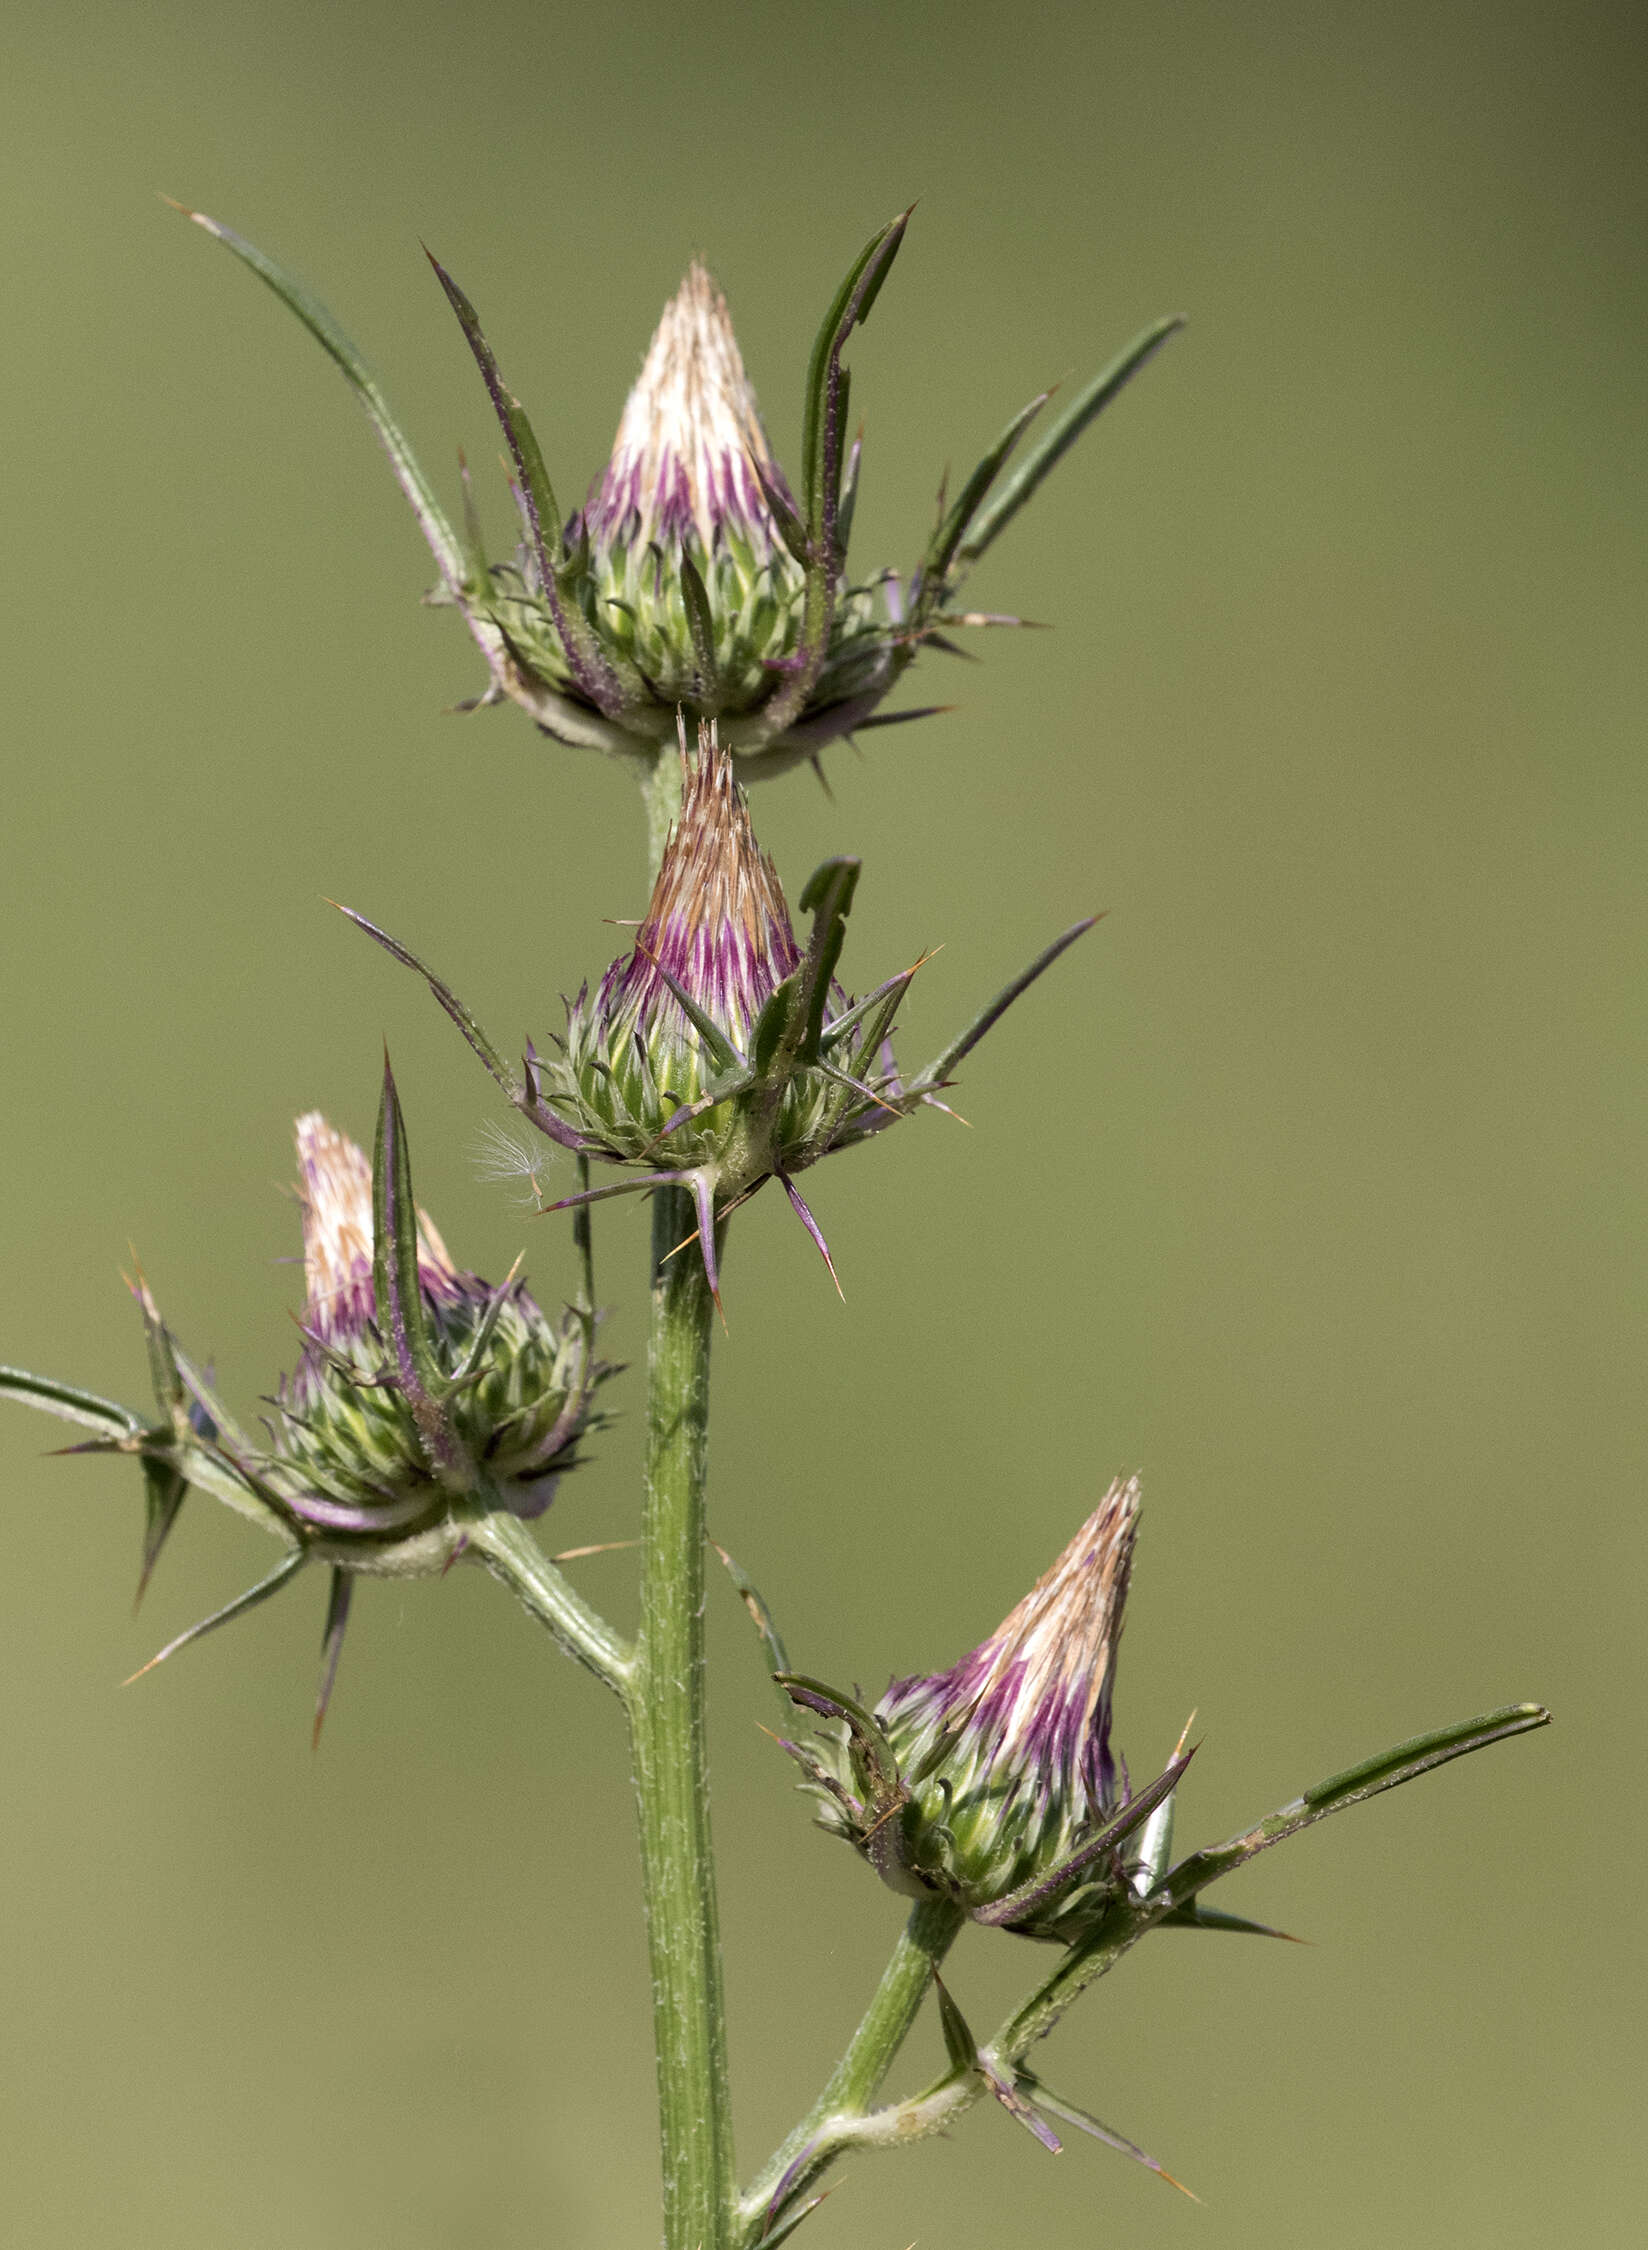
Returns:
point(666, 1705)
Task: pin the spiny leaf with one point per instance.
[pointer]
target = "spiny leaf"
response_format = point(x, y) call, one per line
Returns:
point(959, 2043)
point(849, 308)
point(1353, 1787)
point(402, 1314)
point(443, 993)
point(474, 1358)
point(164, 1490)
point(338, 1596)
point(828, 897)
point(940, 554)
point(543, 515)
point(1068, 2114)
point(873, 1746)
point(719, 1045)
point(1040, 1889)
point(288, 1565)
point(902, 718)
point(940, 1068)
point(69, 1404)
point(1195, 1916)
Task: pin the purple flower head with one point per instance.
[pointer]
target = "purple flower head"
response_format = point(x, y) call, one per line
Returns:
point(1029, 1708)
point(335, 1193)
point(717, 923)
point(681, 473)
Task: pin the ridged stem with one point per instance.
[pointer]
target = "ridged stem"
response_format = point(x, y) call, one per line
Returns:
point(666, 1705)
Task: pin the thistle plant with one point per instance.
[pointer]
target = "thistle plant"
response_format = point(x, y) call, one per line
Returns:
point(697, 617)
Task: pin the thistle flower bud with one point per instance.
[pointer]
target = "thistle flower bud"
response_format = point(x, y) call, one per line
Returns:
point(356, 1454)
point(682, 463)
point(718, 1053)
point(716, 939)
point(994, 1783)
point(695, 577)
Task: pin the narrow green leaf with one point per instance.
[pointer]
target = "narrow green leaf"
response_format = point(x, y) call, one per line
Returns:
point(872, 1744)
point(849, 307)
point(164, 1489)
point(1353, 1787)
point(959, 2043)
point(202, 1392)
point(1127, 1822)
point(332, 340)
point(828, 898)
point(164, 1379)
point(901, 718)
point(524, 450)
point(445, 995)
point(585, 656)
point(477, 570)
point(839, 1026)
point(761, 1616)
point(1021, 486)
point(474, 1358)
point(847, 506)
point(791, 529)
point(1195, 1916)
point(70, 1405)
point(771, 1023)
point(939, 1069)
point(783, 2228)
point(402, 1315)
point(951, 531)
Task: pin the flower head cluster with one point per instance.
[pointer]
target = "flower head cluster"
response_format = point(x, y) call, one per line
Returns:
point(994, 1783)
point(696, 576)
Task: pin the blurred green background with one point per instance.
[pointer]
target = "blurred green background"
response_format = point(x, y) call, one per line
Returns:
point(1310, 1185)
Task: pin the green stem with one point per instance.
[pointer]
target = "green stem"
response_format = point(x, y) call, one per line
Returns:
point(854, 2083)
point(502, 1543)
point(661, 793)
point(666, 1707)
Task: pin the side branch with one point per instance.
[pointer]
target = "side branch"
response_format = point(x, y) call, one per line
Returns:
point(503, 1545)
point(841, 2114)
